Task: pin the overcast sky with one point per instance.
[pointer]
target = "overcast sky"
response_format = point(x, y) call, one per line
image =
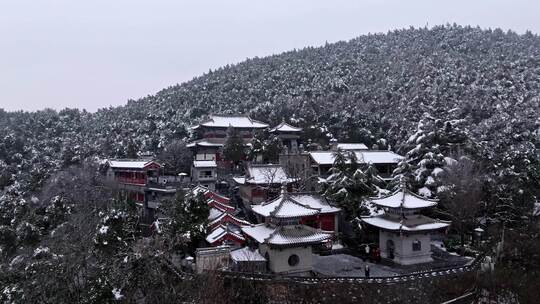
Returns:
point(93, 54)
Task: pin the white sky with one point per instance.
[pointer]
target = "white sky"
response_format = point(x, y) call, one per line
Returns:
point(93, 54)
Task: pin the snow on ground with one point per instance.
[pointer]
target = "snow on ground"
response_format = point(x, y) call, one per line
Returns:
point(343, 265)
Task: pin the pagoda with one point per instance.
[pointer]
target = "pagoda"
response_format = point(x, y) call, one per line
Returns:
point(285, 243)
point(288, 136)
point(404, 233)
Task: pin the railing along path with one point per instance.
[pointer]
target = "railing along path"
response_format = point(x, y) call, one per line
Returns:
point(374, 280)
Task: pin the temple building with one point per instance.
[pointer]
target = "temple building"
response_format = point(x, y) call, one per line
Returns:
point(404, 233)
point(224, 226)
point(289, 137)
point(324, 217)
point(321, 162)
point(349, 146)
point(284, 242)
point(261, 182)
point(204, 173)
point(140, 181)
point(211, 134)
point(226, 235)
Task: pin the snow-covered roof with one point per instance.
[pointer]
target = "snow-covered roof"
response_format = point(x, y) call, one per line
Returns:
point(258, 232)
point(214, 214)
point(239, 180)
point(224, 207)
point(296, 235)
point(286, 235)
point(285, 127)
point(228, 218)
point(266, 174)
point(246, 254)
point(288, 208)
point(352, 146)
point(220, 232)
point(207, 142)
point(285, 207)
point(130, 163)
point(294, 205)
point(204, 164)
point(217, 197)
point(239, 121)
point(368, 156)
point(404, 199)
point(412, 223)
point(199, 189)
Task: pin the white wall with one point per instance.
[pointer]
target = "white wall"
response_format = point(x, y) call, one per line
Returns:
point(403, 251)
point(279, 259)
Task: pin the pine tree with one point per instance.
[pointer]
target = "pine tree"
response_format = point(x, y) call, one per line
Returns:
point(340, 161)
point(188, 215)
point(348, 187)
point(233, 150)
point(131, 150)
point(272, 149)
point(424, 160)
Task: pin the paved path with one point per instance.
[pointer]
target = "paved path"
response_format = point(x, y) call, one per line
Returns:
point(343, 265)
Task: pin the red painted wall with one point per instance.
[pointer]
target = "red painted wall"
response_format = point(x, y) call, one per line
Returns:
point(323, 221)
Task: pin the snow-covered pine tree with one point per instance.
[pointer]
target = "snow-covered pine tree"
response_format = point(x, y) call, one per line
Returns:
point(425, 155)
point(348, 186)
point(255, 152)
point(188, 215)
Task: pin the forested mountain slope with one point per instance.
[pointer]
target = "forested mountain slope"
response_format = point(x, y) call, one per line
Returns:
point(430, 94)
point(485, 82)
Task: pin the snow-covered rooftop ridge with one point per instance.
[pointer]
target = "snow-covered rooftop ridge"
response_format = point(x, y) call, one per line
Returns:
point(288, 208)
point(258, 232)
point(352, 146)
point(314, 201)
point(296, 235)
point(285, 127)
point(403, 198)
point(411, 223)
point(284, 207)
point(217, 197)
point(222, 231)
point(286, 235)
point(223, 207)
point(207, 142)
point(204, 164)
point(199, 189)
point(292, 205)
point(214, 200)
point(232, 218)
point(364, 156)
point(235, 121)
point(266, 174)
point(130, 163)
point(239, 180)
point(214, 213)
point(247, 254)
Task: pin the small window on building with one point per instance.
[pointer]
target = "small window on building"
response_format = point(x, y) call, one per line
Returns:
point(416, 245)
point(294, 260)
point(205, 174)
